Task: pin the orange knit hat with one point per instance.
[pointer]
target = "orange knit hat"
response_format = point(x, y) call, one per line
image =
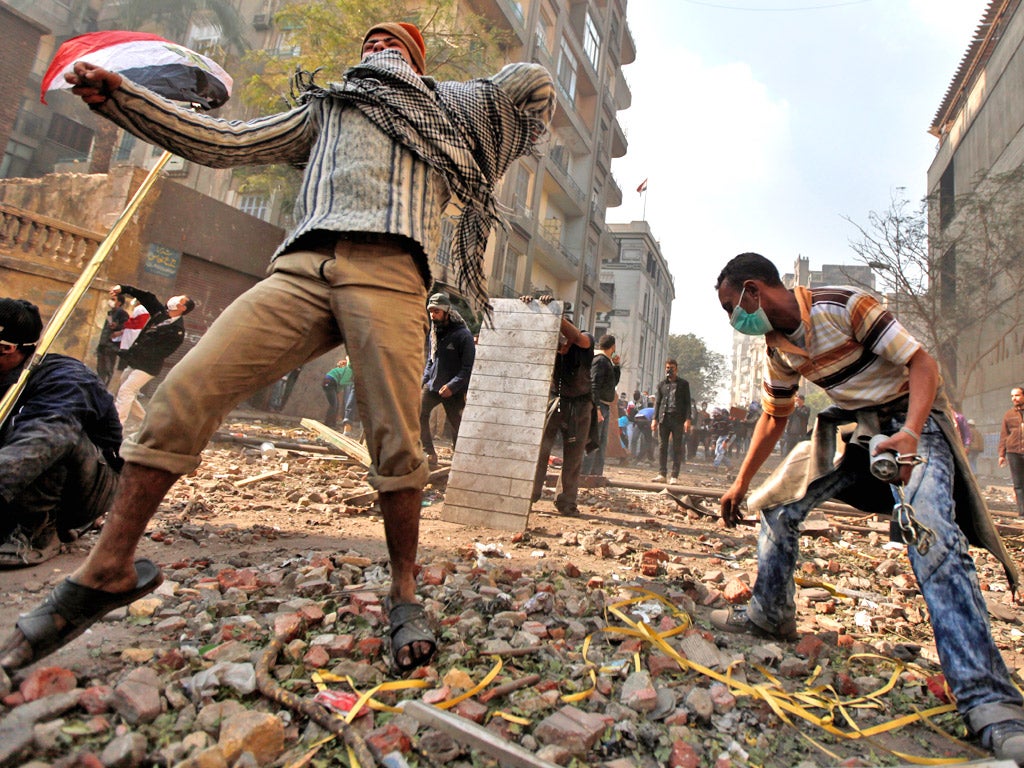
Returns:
point(411, 38)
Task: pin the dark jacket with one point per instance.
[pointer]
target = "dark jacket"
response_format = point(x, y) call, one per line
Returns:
point(571, 376)
point(62, 400)
point(682, 410)
point(158, 340)
point(604, 378)
point(450, 359)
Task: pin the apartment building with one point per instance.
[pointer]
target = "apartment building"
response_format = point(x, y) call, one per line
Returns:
point(558, 238)
point(980, 130)
point(638, 279)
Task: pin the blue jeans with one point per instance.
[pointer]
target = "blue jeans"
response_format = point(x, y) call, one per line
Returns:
point(593, 462)
point(946, 576)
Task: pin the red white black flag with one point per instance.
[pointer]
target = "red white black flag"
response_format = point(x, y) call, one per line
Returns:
point(166, 68)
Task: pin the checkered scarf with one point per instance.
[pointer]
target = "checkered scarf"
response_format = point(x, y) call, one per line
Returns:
point(470, 132)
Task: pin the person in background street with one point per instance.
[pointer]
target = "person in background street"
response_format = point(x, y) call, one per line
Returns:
point(282, 390)
point(110, 338)
point(604, 377)
point(159, 339)
point(671, 420)
point(570, 409)
point(450, 358)
point(975, 445)
point(796, 426)
point(1011, 445)
point(883, 382)
point(642, 447)
point(59, 447)
point(383, 153)
point(337, 384)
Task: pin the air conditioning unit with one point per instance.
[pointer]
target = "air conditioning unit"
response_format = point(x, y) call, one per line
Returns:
point(261, 21)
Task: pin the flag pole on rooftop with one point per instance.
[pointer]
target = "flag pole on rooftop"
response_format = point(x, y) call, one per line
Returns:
point(642, 190)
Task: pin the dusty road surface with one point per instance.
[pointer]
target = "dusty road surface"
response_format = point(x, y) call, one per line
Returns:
point(587, 639)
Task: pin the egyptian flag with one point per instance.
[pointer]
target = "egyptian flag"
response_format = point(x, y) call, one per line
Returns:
point(166, 68)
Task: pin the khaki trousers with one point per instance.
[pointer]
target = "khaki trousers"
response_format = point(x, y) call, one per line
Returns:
point(370, 297)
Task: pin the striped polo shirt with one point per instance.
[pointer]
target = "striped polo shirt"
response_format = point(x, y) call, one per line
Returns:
point(851, 346)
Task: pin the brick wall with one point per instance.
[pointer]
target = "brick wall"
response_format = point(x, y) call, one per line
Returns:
point(17, 54)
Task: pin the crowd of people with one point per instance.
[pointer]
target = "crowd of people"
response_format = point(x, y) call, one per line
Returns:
point(354, 271)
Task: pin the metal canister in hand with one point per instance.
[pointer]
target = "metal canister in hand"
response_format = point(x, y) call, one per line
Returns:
point(883, 465)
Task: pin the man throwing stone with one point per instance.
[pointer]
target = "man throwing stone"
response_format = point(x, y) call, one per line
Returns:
point(382, 152)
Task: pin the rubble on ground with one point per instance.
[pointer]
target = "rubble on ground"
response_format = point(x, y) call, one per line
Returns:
point(583, 643)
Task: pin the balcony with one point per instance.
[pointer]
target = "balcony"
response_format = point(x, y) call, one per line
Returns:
point(559, 157)
point(504, 13)
point(619, 143)
point(623, 96)
point(612, 193)
point(556, 258)
point(45, 241)
point(627, 53)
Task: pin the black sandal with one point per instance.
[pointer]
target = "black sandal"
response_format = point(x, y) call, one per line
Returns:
point(80, 607)
point(409, 626)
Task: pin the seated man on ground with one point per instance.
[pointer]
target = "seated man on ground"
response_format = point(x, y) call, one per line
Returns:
point(59, 446)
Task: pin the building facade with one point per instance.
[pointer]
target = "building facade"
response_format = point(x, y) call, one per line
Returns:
point(980, 129)
point(638, 279)
point(557, 238)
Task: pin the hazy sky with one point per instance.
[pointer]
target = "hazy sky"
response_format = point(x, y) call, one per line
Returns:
point(762, 123)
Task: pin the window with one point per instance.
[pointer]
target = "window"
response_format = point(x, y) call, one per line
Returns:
point(544, 32)
point(567, 68)
point(285, 46)
point(444, 248)
point(70, 134)
point(522, 195)
point(124, 148)
point(510, 277)
point(16, 160)
point(591, 40)
point(203, 33)
point(947, 196)
point(255, 205)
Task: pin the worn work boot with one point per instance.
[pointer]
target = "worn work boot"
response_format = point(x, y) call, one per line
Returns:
point(735, 619)
point(1005, 740)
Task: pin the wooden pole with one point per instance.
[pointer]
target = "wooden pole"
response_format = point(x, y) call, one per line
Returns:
point(81, 285)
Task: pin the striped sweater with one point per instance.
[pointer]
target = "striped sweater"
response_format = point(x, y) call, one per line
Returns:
point(851, 346)
point(353, 181)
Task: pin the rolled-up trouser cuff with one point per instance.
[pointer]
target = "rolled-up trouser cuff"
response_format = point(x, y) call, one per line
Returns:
point(414, 480)
point(175, 463)
point(989, 714)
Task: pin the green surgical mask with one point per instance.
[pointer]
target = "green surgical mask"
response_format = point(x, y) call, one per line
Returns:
point(754, 323)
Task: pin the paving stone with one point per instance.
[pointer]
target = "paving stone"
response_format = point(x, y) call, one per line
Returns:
point(260, 733)
point(125, 751)
point(137, 701)
point(572, 728)
point(47, 681)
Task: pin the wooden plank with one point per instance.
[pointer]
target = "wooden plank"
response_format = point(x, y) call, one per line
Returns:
point(471, 516)
point(513, 469)
point(480, 739)
point(484, 447)
point(354, 449)
point(499, 379)
point(502, 425)
point(257, 478)
point(502, 401)
point(487, 502)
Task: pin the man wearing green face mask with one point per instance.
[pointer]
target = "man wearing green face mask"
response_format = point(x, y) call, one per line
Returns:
point(882, 382)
